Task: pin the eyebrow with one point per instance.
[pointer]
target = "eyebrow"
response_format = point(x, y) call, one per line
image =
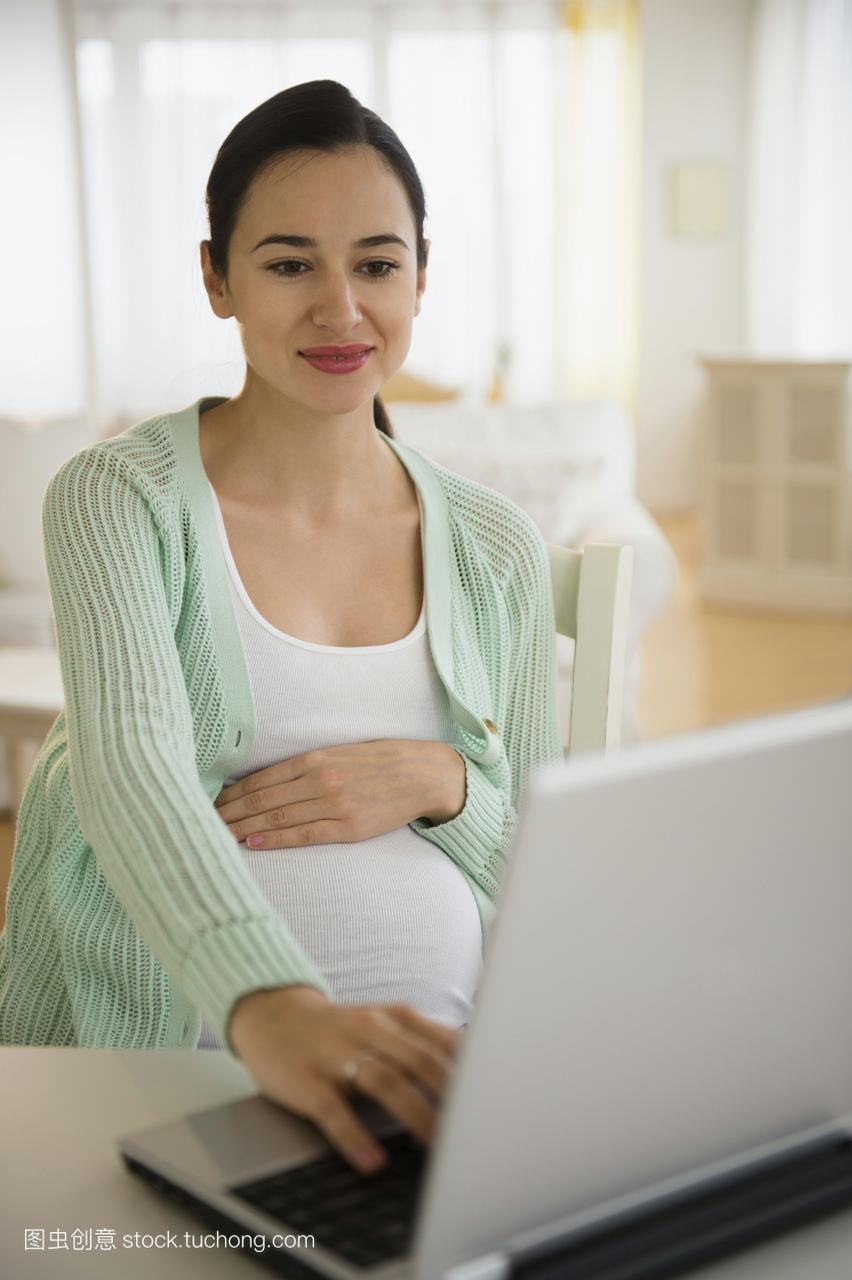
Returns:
point(305, 242)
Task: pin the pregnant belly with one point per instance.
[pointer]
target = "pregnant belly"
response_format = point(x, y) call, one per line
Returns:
point(385, 920)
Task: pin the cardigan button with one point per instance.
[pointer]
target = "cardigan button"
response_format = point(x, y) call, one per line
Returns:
point(183, 1031)
point(489, 724)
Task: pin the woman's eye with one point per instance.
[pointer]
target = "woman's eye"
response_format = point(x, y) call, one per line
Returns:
point(387, 268)
point(277, 268)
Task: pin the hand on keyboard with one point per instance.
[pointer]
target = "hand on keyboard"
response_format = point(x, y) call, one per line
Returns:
point(295, 1043)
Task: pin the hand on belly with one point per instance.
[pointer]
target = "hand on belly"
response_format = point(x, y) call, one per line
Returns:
point(344, 793)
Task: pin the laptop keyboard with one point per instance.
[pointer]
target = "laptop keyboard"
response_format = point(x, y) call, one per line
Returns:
point(366, 1218)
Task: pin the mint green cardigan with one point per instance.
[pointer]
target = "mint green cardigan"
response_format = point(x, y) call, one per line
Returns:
point(130, 915)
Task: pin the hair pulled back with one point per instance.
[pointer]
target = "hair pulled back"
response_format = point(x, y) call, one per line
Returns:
point(319, 115)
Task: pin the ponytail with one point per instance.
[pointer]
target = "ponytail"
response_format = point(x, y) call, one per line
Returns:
point(381, 419)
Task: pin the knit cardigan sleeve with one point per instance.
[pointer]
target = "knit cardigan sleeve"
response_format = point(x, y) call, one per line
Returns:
point(479, 837)
point(163, 850)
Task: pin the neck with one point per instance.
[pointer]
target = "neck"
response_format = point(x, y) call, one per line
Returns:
point(280, 455)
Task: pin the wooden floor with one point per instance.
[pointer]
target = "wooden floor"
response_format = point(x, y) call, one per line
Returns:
point(704, 664)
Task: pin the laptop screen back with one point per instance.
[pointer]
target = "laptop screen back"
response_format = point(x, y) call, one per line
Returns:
point(669, 979)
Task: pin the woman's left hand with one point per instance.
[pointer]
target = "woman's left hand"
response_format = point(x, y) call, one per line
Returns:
point(345, 793)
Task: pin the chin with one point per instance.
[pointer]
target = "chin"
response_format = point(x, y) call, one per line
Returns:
point(340, 404)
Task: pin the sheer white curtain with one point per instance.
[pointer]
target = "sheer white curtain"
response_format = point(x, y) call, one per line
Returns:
point(43, 306)
point(799, 178)
point(469, 90)
point(518, 114)
point(598, 199)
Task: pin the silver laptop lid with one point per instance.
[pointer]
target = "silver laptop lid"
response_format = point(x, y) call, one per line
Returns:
point(669, 979)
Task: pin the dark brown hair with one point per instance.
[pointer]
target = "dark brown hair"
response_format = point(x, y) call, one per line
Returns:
point(320, 115)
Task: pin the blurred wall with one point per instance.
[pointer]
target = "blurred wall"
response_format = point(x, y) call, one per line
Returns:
point(694, 95)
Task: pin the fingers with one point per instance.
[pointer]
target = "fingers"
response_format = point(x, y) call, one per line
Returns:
point(402, 1052)
point(408, 1049)
point(379, 1079)
point(345, 1131)
point(327, 831)
point(383, 1081)
point(446, 1038)
point(297, 1048)
point(235, 805)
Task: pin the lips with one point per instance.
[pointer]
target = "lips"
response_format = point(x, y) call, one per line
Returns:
point(337, 363)
point(355, 349)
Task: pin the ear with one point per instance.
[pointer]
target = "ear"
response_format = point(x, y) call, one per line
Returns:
point(217, 289)
point(421, 279)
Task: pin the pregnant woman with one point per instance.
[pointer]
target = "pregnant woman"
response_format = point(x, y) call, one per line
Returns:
point(306, 673)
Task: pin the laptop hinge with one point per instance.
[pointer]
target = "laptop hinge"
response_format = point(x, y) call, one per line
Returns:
point(676, 1232)
point(491, 1266)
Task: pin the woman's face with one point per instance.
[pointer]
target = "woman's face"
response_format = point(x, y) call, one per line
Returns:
point(288, 297)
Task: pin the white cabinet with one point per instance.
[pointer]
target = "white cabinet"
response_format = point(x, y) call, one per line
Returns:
point(776, 482)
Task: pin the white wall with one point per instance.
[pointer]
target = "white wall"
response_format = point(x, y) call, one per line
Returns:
point(694, 76)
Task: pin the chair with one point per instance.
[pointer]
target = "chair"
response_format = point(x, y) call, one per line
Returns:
point(591, 598)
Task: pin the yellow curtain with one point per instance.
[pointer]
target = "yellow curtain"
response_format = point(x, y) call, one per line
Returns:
point(599, 198)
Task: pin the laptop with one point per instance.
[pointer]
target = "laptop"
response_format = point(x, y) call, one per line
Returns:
point(664, 1008)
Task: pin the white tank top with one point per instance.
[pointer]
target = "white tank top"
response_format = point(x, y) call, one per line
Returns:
point(386, 920)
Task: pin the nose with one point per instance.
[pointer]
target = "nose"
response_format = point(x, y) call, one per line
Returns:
point(336, 305)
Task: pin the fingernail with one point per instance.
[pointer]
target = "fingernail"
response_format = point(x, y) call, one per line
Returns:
point(254, 841)
point(369, 1158)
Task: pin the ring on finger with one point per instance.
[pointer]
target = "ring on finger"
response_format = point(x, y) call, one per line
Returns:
point(350, 1068)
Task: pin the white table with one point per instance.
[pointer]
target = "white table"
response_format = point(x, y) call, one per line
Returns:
point(62, 1110)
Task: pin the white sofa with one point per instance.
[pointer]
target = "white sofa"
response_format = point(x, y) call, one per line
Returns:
point(32, 451)
point(571, 467)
